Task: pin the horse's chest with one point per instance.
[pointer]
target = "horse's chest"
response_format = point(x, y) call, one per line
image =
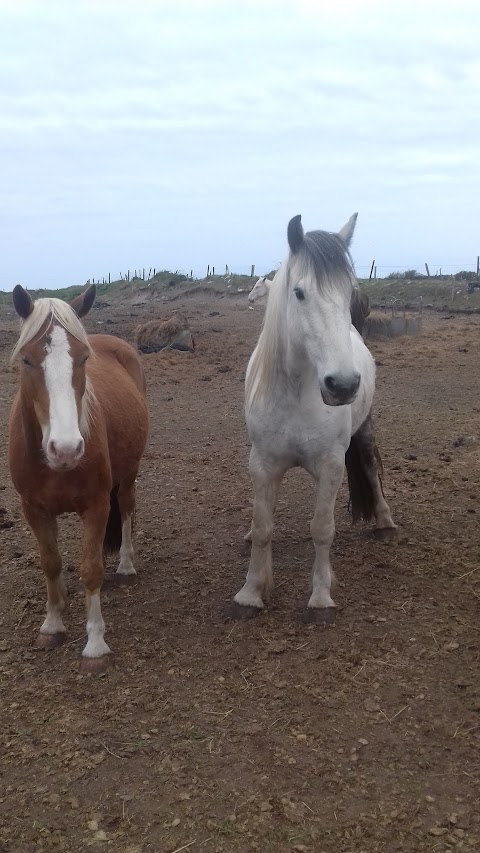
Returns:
point(294, 432)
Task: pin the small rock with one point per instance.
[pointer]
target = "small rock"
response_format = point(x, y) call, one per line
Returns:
point(370, 705)
point(451, 647)
point(176, 822)
point(438, 830)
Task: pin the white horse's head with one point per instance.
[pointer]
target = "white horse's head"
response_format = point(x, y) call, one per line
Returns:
point(320, 282)
point(259, 289)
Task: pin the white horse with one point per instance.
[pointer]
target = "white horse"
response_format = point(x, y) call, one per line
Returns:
point(308, 396)
point(261, 288)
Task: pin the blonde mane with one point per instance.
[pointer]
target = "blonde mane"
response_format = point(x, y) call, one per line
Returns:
point(49, 309)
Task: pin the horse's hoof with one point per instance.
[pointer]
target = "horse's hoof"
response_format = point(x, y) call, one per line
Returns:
point(49, 641)
point(243, 612)
point(385, 534)
point(125, 580)
point(319, 615)
point(95, 666)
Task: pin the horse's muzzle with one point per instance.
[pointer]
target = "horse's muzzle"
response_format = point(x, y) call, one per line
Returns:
point(340, 389)
point(64, 456)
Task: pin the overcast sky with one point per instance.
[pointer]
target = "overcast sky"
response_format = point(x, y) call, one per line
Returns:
point(181, 134)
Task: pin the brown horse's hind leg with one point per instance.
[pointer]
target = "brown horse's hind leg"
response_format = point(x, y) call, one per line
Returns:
point(126, 501)
point(95, 656)
point(52, 632)
point(371, 463)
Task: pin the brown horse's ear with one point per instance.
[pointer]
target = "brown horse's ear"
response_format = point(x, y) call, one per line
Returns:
point(84, 301)
point(22, 302)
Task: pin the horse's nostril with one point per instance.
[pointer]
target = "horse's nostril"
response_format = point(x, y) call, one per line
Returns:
point(52, 448)
point(330, 383)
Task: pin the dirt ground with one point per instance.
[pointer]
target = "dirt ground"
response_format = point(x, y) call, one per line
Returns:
point(271, 735)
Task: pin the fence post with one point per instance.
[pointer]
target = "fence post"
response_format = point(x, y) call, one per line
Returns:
point(375, 272)
point(478, 266)
point(226, 269)
point(208, 270)
point(428, 271)
point(213, 270)
point(128, 275)
point(371, 270)
point(144, 273)
point(252, 272)
point(109, 278)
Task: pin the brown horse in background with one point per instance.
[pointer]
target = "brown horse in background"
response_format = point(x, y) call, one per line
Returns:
point(78, 429)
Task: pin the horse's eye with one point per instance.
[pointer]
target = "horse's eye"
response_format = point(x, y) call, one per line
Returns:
point(26, 361)
point(299, 293)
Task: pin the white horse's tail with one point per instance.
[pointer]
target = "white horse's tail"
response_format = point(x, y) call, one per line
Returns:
point(363, 462)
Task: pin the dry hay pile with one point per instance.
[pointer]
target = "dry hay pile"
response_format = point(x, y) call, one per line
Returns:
point(378, 325)
point(157, 335)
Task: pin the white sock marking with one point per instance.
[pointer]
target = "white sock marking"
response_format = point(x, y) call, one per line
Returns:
point(126, 566)
point(96, 646)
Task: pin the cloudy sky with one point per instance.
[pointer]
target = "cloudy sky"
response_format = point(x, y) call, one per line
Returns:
point(186, 133)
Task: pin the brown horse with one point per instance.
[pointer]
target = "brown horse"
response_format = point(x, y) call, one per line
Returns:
point(78, 429)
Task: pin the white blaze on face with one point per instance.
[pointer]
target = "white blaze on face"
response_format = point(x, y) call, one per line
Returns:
point(62, 440)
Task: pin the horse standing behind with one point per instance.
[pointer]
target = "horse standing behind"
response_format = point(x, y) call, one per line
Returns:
point(308, 396)
point(78, 429)
point(260, 289)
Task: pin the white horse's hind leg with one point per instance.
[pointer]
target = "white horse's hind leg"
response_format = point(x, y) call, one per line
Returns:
point(259, 580)
point(329, 476)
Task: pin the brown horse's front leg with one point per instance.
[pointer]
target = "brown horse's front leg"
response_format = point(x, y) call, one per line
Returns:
point(52, 632)
point(96, 652)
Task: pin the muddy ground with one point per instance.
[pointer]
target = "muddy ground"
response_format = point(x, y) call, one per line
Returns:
point(207, 735)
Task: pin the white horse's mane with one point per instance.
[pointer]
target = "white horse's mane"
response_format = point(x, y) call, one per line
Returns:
point(322, 261)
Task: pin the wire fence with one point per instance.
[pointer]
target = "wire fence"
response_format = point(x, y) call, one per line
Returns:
point(466, 271)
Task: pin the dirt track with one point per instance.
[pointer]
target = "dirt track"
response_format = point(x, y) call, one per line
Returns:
point(271, 735)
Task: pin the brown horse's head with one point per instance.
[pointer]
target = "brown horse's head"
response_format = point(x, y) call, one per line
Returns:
point(53, 348)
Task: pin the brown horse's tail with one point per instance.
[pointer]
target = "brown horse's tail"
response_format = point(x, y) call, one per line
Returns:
point(363, 456)
point(113, 533)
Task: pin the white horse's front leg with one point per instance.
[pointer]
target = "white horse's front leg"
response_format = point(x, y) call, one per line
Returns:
point(321, 607)
point(259, 581)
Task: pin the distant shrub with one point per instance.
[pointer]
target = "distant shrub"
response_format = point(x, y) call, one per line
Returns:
point(465, 275)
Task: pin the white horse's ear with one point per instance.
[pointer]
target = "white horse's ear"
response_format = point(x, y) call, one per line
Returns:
point(346, 233)
point(295, 234)
point(82, 303)
point(22, 302)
